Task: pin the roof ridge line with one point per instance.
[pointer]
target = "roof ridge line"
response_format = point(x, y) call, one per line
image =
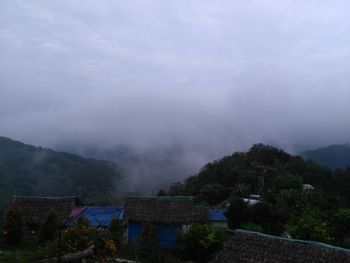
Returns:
point(43, 197)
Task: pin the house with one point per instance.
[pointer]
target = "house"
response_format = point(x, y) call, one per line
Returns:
point(100, 216)
point(217, 217)
point(308, 187)
point(252, 199)
point(35, 209)
point(166, 214)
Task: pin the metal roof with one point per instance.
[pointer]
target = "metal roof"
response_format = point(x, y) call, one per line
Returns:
point(101, 216)
point(217, 215)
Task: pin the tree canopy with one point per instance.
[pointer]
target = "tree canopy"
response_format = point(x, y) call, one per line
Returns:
point(279, 178)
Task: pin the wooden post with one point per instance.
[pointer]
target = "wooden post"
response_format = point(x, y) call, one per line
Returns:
point(59, 244)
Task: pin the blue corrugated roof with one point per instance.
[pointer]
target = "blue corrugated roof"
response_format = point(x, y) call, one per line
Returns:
point(217, 215)
point(101, 216)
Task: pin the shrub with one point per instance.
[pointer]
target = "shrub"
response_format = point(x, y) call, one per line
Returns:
point(14, 227)
point(82, 221)
point(49, 227)
point(310, 225)
point(342, 226)
point(147, 244)
point(236, 213)
point(261, 214)
point(116, 231)
point(81, 237)
point(200, 243)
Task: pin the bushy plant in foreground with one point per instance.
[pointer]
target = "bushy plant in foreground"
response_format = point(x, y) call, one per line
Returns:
point(82, 236)
point(200, 243)
point(116, 231)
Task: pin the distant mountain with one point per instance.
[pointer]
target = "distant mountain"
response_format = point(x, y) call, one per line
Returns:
point(30, 170)
point(147, 170)
point(334, 156)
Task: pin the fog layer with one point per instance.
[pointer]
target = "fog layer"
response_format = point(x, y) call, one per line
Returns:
point(205, 77)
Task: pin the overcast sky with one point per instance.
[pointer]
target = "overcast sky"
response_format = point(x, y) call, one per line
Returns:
point(214, 76)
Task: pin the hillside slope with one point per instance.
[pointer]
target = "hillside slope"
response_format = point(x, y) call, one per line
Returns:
point(333, 156)
point(281, 202)
point(30, 170)
point(263, 170)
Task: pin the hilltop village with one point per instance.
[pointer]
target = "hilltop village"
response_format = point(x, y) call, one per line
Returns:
point(264, 205)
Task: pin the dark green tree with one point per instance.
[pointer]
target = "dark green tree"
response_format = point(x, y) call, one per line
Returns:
point(286, 181)
point(213, 194)
point(289, 203)
point(342, 226)
point(49, 227)
point(310, 225)
point(177, 189)
point(200, 243)
point(14, 227)
point(261, 214)
point(161, 193)
point(116, 231)
point(236, 213)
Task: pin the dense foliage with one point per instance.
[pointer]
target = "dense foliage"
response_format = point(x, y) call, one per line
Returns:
point(278, 177)
point(116, 230)
point(200, 243)
point(49, 227)
point(14, 227)
point(74, 239)
point(82, 236)
point(29, 170)
point(310, 225)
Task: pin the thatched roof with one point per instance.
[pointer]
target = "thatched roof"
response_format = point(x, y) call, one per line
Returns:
point(164, 209)
point(246, 246)
point(35, 209)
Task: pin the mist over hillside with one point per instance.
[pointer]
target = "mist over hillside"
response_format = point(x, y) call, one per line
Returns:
point(224, 102)
point(198, 78)
point(333, 156)
point(147, 171)
point(37, 171)
point(157, 168)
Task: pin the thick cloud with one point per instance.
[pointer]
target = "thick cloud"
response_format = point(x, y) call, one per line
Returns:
point(211, 76)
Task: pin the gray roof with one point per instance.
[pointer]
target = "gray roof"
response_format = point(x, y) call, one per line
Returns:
point(35, 209)
point(164, 209)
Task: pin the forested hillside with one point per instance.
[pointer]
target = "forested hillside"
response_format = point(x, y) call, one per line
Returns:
point(334, 156)
point(317, 212)
point(29, 170)
point(262, 170)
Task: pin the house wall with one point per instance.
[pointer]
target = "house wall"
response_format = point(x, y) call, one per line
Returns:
point(134, 230)
point(166, 233)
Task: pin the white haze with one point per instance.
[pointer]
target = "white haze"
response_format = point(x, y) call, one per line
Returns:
point(204, 77)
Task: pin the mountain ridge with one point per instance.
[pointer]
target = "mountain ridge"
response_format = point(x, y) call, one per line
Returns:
point(336, 156)
point(31, 170)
